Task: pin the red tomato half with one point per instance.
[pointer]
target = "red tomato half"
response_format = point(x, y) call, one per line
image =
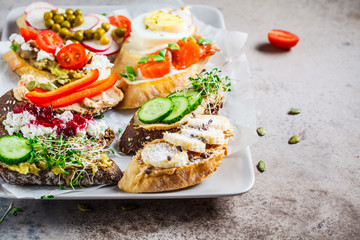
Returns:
point(48, 41)
point(72, 56)
point(282, 39)
point(121, 22)
point(188, 54)
point(27, 34)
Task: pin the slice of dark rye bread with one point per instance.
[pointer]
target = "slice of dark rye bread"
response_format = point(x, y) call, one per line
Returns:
point(8, 102)
point(135, 137)
point(109, 175)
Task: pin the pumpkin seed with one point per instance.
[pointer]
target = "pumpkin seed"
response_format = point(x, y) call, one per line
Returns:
point(31, 85)
point(294, 111)
point(261, 131)
point(83, 208)
point(294, 139)
point(261, 166)
point(46, 87)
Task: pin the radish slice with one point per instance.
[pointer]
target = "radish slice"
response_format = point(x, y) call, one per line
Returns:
point(113, 48)
point(90, 21)
point(35, 18)
point(101, 18)
point(39, 4)
point(95, 45)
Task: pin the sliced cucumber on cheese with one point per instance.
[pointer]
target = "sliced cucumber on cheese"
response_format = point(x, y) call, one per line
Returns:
point(155, 110)
point(14, 150)
point(181, 106)
point(195, 98)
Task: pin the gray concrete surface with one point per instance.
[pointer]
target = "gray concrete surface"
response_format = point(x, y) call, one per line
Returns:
point(311, 190)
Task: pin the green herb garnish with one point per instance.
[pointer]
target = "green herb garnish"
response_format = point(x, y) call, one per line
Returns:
point(173, 46)
point(104, 14)
point(162, 52)
point(143, 60)
point(47, 196)
point(204, 41)
point(157, 58)
point(130, 73)
point(14, 47)
point(83, 208)
point(120, 130)
point(111, 150)
point(184, 39)
point(100, 116)
point(192, 39)
point(16, 210)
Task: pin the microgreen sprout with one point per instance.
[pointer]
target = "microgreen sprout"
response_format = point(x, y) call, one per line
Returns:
point(7, 212)
point(16, 210)
point(211, 85)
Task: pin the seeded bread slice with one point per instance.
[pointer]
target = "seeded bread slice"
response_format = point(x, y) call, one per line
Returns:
point(109, 176)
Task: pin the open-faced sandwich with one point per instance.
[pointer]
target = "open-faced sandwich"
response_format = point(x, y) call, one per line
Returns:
point(181, 159)
point(64, 51)
point(166, 114)
point(38, 147)
point(160, 55)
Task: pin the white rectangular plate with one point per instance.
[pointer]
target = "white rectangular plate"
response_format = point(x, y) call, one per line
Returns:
point(235, 175)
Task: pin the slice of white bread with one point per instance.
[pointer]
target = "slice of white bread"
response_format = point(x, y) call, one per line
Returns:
point(177, 161)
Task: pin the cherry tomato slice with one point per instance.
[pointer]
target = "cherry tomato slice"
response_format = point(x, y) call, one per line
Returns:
point(188, 54)
point(153, 69)
point(121, 22)
point(72, 56)
point(27, 34)
point(48, 41)
point(282, 39)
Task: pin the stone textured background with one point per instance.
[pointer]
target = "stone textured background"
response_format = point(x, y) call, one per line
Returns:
point(311, 190)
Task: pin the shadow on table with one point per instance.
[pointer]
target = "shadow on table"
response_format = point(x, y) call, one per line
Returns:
point(270, 49)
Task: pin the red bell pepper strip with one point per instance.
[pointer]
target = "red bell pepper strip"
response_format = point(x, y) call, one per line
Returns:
point(38, 97)
point(81, 95)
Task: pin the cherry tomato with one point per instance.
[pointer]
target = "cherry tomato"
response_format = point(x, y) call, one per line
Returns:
point(121, 22)
point(188, 54)
point(153, 69)
point(282, 39)
point(72, 56)
point(27, 34)
point(48, 41)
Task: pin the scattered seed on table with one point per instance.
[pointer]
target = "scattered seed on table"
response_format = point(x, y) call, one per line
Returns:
point(261, 166)
point(261, 131)
point(294, 111)
point(294, 139)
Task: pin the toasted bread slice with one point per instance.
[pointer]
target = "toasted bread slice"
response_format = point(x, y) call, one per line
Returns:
point(141, 177)
point(137, 134)
point(109, 176)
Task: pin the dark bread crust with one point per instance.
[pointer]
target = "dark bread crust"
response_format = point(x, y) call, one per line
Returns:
point(109, 176)
point(134, 137)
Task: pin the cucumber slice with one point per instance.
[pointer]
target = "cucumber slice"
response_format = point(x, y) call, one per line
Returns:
point(195, 98)
point(181, 106)
point(14, 150)
point(155, 110)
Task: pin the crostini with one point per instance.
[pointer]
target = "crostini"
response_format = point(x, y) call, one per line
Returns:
point(180, 159)
point(205, 96)
point(162, 52)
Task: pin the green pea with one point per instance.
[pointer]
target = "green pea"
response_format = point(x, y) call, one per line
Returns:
point(31, 85)
point(66, 24)
point(59, 18)
point(48, 15)
point(105, 26)
point(104, 40)
point(99, 33)
point(69, 11)
point(70, 18)
point(78, 12)
point(49, 23)
point(261, 131)
point(120, 32)
point(64, 32)
point(54, 12)
point(47, 87)
point(89, 34)
point(294, 139)
point(78, 20)
point(69, 36)
point(261, 166)
point(56, 27)
point(79, 35)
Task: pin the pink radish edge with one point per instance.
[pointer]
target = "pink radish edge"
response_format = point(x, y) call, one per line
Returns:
point(39, 4)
